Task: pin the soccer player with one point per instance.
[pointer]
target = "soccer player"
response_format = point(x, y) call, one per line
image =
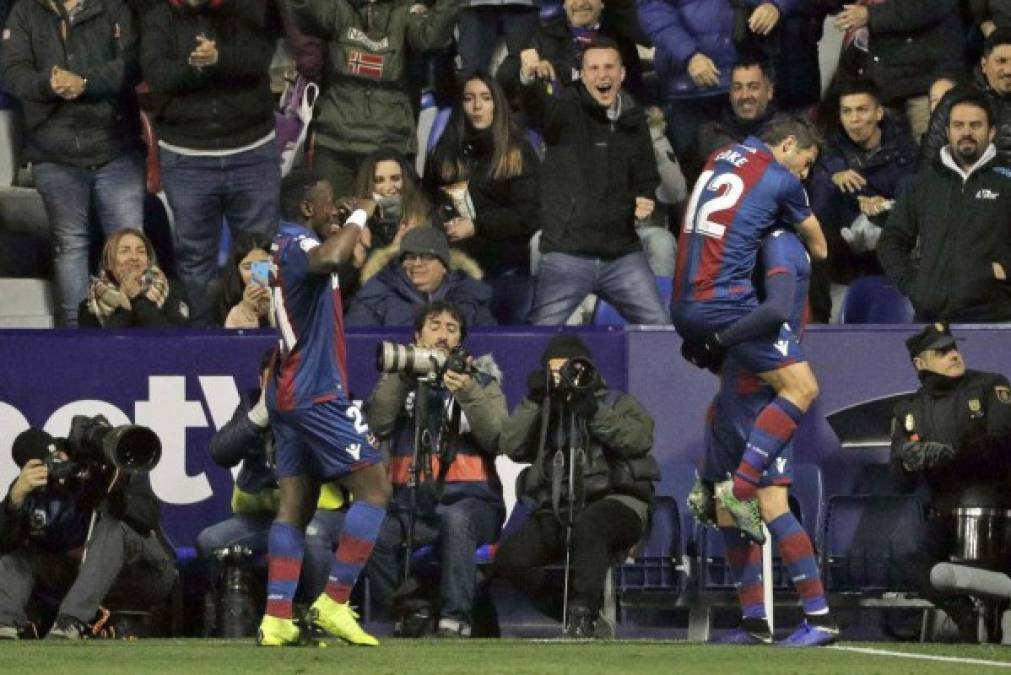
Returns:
point(741, 399)
point(745, 191)
point(319, 434)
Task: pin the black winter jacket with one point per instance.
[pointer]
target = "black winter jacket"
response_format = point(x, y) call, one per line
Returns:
point(911, 41)
point(963, 226)
point(507, 212)
point(174, 312)
point(100, 46)
point(220, 107)
point(593, 171)
point(972, 414)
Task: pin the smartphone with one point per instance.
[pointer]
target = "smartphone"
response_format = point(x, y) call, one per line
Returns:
point(260, 271)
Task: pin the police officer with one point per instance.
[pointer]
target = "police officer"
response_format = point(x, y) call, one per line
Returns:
point(954, 434)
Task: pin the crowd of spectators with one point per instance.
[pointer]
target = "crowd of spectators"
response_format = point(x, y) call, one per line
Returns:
point(539, 164)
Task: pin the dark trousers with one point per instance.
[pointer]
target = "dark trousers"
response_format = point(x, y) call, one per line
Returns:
point(119, 565)
point(603, 529)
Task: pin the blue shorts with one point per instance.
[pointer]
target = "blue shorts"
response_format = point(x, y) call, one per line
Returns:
point(698, 320)
point(326, 440)
point(731, 416)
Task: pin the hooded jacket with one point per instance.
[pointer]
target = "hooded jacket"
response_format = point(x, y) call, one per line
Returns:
point(593, 171)
point(100, 45)
point(221, 107)
point(388, 298)
point(364, 104)
point(963, 226)
point(1000, 105)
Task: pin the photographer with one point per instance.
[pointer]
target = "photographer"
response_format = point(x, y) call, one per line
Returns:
point(77, 522)
point(612, 493)
point(457, 502)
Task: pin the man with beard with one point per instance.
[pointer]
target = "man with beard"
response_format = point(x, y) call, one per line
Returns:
point(958, 208)
point(750, 105)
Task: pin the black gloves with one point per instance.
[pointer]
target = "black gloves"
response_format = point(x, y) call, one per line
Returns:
point(585, 403)
point(920, 455)
point(708, 353)
point(537, 386)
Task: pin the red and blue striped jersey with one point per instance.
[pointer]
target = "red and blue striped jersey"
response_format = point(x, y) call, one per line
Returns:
point(310, 323)
point(741, 196)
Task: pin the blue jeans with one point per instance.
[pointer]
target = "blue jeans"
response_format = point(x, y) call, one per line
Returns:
point(252, 529)
point(458, 529)
point(241, 189)
point(480, 27)
point(564, 279)
point(117, 188)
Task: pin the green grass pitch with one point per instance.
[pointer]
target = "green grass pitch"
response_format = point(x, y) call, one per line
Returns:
point(487, 657)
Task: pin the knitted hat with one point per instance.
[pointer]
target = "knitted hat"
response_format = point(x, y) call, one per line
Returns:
point(564, 346)
point(426, 241)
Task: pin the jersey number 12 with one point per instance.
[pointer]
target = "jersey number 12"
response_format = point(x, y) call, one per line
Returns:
point(700, 218)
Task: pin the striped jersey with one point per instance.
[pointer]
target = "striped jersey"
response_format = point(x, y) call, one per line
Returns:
point(783, 253)
point(741, 196)
point(310, 322)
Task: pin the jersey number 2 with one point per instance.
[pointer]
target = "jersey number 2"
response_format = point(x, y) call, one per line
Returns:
point(700, 219)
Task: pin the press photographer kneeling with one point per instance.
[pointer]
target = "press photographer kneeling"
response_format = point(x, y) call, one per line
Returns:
point(438, 413)
point(81, 521)
point(590, 483)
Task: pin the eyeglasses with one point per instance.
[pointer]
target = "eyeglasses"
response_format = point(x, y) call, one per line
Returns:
point(418, 258)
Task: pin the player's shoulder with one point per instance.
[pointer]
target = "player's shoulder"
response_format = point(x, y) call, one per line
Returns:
point(294, 237)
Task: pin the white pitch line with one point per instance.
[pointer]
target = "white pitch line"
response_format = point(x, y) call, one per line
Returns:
point(922, 657)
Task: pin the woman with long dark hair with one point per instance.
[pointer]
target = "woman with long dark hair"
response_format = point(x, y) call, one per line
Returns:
point(483, 172)
point(238, 301)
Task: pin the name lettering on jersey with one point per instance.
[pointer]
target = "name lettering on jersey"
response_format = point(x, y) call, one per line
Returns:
point(362, 38)
point(987, 194)
point(780, 464)
point(782, 346)
point(733, 157)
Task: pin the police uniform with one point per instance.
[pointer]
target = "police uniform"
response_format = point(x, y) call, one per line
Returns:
point(954, 434)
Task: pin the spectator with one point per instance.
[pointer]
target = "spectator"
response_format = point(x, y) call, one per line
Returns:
point(485, 173)
point(238, 301)
point(73, 66)
point(397, 281)
point(388, 179)
point(750, 106)
point(482, 21)
point(956, 213)
point(610, 500)
point(863, 168)
point(245, 441)
point(599, 177)
point(909, 42)
point(91, 537)
point(457, 504)
point(993, 79)
point(207, 65)
point(954, 434)
point(130, 290)
point(697, 42)
point(364, 104)
point(560, 41)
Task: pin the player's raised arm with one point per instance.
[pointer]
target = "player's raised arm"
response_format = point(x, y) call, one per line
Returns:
point(340, 244)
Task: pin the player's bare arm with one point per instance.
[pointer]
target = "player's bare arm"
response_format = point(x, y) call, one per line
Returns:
point(809, 230)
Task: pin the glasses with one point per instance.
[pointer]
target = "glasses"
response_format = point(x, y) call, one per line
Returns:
point(417, 258)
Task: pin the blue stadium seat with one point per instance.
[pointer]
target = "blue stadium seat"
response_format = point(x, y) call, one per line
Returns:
point(874, 299)
point(512, 296)
point(606, 315)
point(550, 9)
point(865, 538)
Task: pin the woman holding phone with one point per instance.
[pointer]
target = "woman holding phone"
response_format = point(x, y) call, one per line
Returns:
point(240, 298)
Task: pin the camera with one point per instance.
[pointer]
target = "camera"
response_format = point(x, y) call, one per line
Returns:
point(128, 447)
point(421, 361)
point(577, 375)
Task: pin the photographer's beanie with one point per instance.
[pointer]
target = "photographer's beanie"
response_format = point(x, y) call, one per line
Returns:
point(564, 346)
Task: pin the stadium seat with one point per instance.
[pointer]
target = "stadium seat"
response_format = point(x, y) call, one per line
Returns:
point(550, 9)
point(606, 315)
point(874, 299)
point(865, 537)
point(512, 296)
point(654, 576)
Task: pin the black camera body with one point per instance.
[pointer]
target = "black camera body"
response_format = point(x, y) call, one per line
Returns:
point(577, 375)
